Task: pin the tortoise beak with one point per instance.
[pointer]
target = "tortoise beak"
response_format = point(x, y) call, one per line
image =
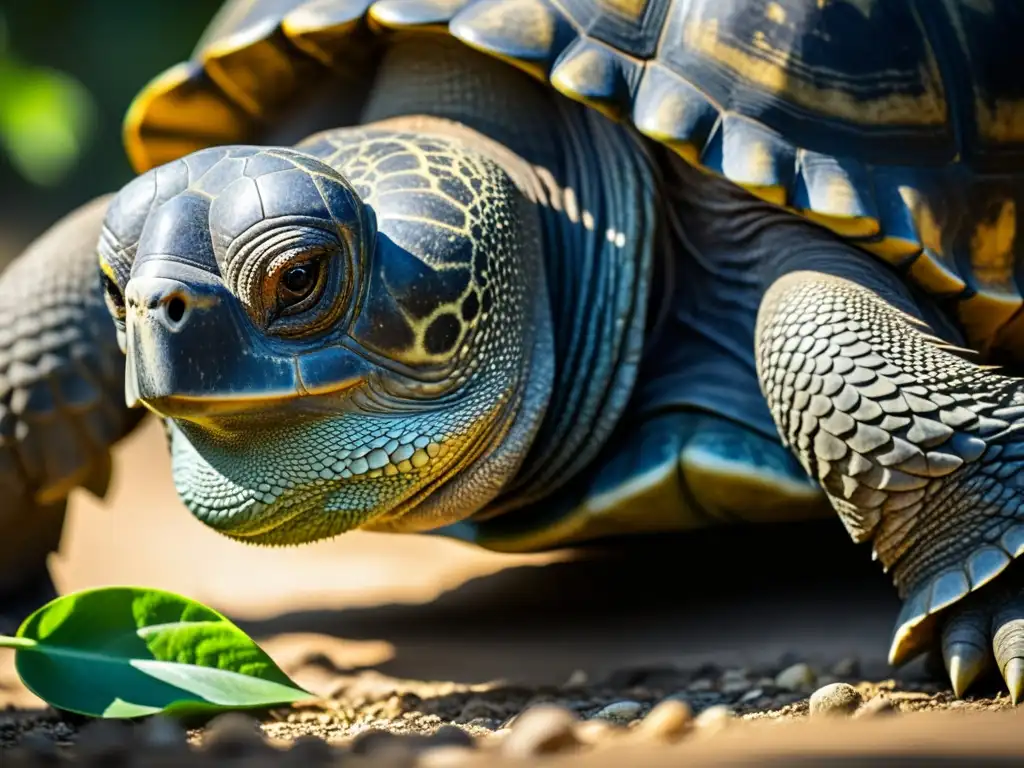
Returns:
point(193, 354)
point(185, 343)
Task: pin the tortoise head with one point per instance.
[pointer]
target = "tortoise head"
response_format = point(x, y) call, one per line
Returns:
point(329, 351)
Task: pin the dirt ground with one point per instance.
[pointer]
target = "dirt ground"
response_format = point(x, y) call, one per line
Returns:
point(410, 634)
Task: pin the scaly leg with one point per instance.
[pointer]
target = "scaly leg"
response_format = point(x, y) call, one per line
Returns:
point(61, 400)
point(919, 452)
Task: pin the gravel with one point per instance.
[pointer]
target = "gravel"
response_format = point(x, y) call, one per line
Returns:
point(620, 712)
point(668, 721)
point(541, 730)
point(375, 720)
point(797, 677)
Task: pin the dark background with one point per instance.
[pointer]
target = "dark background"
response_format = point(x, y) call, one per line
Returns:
point(68, 71)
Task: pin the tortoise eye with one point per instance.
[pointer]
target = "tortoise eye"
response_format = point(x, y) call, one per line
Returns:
point(299, 281)
point(114, 298)
point(300, 286)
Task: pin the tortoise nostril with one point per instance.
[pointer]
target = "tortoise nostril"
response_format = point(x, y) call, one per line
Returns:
point(176, 309)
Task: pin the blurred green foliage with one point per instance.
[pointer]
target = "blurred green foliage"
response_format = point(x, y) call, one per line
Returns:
point(47, 118)
point(68, 71)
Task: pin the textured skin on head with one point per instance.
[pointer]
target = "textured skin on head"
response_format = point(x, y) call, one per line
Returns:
point(450, 302)
point(431, 298)
point(918, 449)
point(441, 295)
point(61, 389)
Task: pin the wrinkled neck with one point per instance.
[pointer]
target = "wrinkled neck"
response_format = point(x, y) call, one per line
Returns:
point(594, 190)
point(601, 223)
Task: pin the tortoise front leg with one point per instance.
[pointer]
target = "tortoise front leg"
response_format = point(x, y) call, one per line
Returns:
point(918, 451)
point(61, 400)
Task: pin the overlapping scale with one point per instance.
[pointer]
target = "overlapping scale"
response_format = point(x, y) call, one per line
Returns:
point(598, 76)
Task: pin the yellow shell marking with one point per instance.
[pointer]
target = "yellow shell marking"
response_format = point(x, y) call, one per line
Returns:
point(1001, 122)
point(839, 211)
point(992, 263)
point(533, 19)
point(630, 9)
point(864, 6)
point(760, 165)
point(774, 71)
point(992, 247)
point(775, 13)
point(169, 106)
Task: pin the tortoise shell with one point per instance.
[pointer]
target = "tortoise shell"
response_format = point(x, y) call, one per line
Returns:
point(898, 125)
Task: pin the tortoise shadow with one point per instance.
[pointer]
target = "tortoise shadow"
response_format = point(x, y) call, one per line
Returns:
point(743, 595)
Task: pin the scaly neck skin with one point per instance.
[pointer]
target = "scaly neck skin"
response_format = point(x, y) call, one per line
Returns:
point(595, 194)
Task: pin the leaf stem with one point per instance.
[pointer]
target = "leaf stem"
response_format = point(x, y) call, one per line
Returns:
point(24, 643)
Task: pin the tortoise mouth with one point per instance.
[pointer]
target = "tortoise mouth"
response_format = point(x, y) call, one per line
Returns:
point(240, 406)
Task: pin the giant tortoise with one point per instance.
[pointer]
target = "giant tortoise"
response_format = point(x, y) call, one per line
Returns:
point(532, 273)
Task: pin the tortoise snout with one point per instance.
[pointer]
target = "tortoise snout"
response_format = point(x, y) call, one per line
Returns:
point(169, 302)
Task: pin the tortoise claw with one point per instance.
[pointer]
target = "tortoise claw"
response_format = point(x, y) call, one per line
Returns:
point(987, 629)
point(1008, 643)
point(965, 663)
point(1013, 674)
point(965, 647)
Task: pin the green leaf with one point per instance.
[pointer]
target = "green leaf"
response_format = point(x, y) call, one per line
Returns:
point(127, 651)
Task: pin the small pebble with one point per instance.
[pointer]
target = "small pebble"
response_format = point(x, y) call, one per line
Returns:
point(797, 677)
point(877, 706)
point(835, 699)
point(734, 681)
point(713, 719)
point(163, 733)
point(701, 686)
point(233, 734)
point(451, 736)
point(445, 756)
point(596, 731)
point(620, 711)
point(377, 742)
point(310, 750)
point(669, 720)
point(752, 695)
point(64, 730)
point(848, 667)
point(542, 729)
